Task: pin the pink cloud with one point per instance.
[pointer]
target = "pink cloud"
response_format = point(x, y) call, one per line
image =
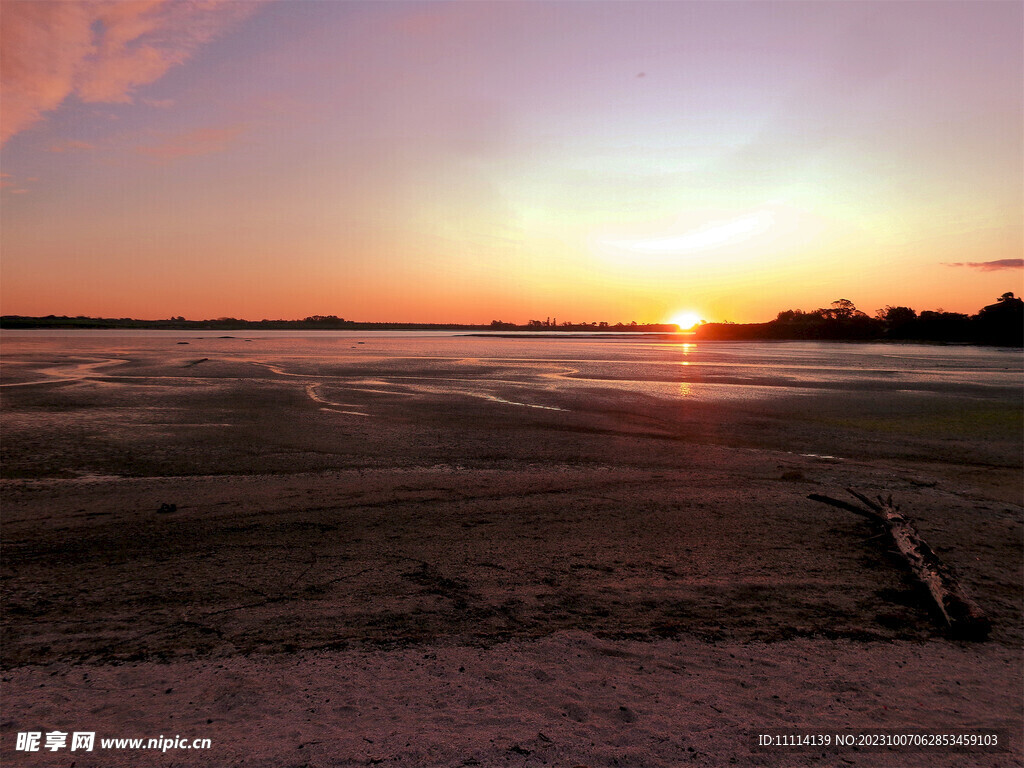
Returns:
point(97, 51)
point(203, 141)
point(989, 266)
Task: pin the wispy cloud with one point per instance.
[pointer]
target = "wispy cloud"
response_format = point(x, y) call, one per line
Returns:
point(71, 145)
point(101, 52)
point(203, 141)
point(11, 185)
point(988, 266)
point(712, 235)
point(159, 103)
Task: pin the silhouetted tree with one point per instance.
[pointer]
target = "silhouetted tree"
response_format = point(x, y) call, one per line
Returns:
point(897, 322)
point(841, 309)
point(1001, 323)
point(791, 316)
point(897, 315)
point(942, 326)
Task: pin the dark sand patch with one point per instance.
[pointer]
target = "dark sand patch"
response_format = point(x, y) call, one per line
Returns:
point(271, 563)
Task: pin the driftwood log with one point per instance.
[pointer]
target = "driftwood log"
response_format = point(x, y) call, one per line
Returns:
point(962, 615)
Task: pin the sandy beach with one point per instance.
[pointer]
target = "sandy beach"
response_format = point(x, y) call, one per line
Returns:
point(443, 559)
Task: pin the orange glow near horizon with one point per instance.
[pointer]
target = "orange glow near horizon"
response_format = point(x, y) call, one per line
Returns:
point(353, 167)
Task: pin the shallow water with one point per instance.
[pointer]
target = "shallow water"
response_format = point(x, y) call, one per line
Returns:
point(523, 371)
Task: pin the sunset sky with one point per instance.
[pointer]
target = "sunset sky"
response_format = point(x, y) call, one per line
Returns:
point(472, 161)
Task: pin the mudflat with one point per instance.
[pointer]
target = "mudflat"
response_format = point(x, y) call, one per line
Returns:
point(494, 552)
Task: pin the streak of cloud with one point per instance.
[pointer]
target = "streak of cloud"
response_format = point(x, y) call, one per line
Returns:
point(101, 52)
point(10, 185)
point(203, 141)
point(713, 235)
point(72, 145)
point(988, 266)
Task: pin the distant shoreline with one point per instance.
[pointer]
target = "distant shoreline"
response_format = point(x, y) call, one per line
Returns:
point(999, 324)
point(679, 337)
point(11, 322)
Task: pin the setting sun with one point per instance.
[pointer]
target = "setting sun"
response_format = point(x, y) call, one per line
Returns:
point(686, 320)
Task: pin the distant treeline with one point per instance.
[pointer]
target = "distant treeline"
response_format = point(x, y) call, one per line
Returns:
point(312, 323)
point(1000, 324)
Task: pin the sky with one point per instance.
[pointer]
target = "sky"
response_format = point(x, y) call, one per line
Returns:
point(477, 161)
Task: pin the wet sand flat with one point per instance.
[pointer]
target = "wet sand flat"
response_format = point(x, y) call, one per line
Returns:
point(624, 567)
